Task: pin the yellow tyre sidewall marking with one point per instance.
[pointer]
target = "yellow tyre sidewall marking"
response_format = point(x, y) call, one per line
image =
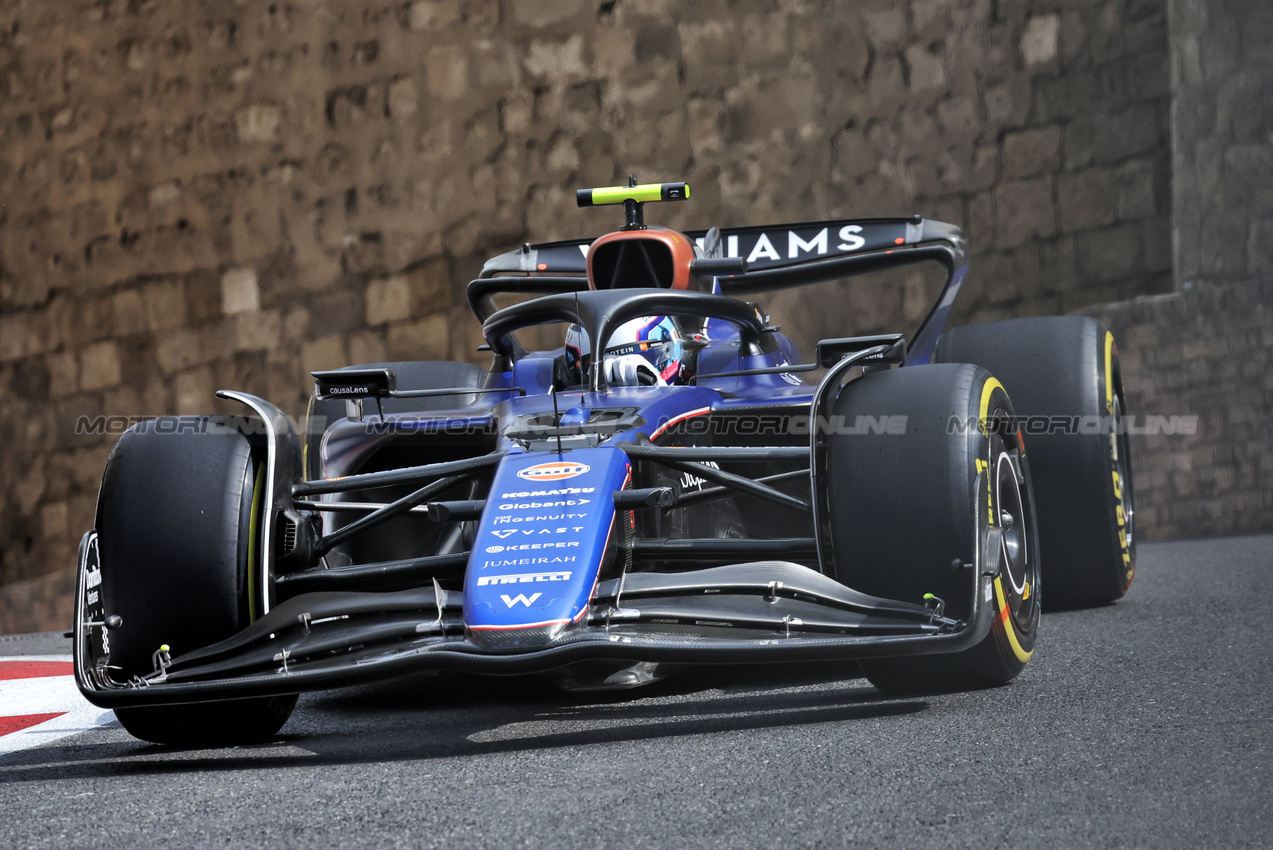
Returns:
point(253, 544)
point(987, 390)
point(1109, 372)
point(1009, 627)
point(1119, 510)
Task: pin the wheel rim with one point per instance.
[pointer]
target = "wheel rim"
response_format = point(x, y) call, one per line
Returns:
point(1119, 451)
point(1015, 516)
point(1010, 511)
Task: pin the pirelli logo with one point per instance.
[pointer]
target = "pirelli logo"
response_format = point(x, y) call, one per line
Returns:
point(524, 578)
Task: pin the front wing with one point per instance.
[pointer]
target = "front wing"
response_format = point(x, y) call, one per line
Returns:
point(758, 612)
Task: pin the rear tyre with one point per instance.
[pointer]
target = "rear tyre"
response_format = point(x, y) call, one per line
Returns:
point(175, 520)
point(907, 507)
point(1066, 386)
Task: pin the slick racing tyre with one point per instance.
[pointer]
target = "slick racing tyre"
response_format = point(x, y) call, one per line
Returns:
point(1063, 375)
point(909, 511)
point(178, 511)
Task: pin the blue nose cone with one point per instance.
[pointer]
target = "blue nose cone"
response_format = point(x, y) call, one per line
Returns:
point(540, 544)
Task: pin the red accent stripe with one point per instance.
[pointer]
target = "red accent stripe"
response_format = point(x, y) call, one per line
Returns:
point(34, 669)
point(9, 725)
point(659, 431)
point(519, 626)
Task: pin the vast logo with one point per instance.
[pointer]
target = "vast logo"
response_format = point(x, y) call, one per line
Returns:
point(555, 471)
point(504, 534)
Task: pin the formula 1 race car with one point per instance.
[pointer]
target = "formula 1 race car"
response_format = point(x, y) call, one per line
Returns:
point(663, 489)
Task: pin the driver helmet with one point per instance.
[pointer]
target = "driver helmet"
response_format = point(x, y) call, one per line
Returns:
point(655, 338)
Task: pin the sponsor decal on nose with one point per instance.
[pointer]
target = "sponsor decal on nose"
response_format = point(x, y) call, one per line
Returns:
point(553, 471)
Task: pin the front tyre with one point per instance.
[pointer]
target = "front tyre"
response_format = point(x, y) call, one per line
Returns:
point(176, 520)
point(910, 509)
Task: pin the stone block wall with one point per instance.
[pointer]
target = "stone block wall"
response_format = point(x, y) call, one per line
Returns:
point(1208, 354)
point(1222, 140)
point(1207, 350)
point(205, 194)
point(40, 604)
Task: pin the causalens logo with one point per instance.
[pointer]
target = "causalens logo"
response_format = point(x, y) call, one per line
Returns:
point(555, 471)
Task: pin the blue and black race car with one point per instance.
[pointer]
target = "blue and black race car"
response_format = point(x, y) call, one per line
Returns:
point(674, 485)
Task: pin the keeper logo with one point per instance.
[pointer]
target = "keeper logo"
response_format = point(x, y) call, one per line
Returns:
point(521, 547)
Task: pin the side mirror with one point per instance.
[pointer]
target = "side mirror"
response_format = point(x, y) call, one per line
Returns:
point(355, 383)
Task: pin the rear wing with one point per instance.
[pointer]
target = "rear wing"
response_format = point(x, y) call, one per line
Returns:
point(779, 256)
point(765, 248)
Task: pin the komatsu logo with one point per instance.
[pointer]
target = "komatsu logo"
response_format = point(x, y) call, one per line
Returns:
point(560, 491)
point(524, 578)
point(555, 471)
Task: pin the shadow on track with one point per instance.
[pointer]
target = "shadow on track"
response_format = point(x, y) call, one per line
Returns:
point(443, 716)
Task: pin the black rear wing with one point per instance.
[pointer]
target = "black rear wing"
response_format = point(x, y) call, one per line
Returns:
point(767, 248)
point(779, 256)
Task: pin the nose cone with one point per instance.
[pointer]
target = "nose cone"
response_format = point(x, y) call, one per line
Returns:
point(522, 639)
point(540, 545)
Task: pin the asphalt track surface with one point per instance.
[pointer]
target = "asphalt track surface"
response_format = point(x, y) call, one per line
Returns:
point(1143, 724)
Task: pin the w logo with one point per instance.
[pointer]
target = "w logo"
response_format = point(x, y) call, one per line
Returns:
point(510, 601)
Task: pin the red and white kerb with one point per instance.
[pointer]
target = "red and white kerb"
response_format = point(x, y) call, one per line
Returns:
point(39, 703)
